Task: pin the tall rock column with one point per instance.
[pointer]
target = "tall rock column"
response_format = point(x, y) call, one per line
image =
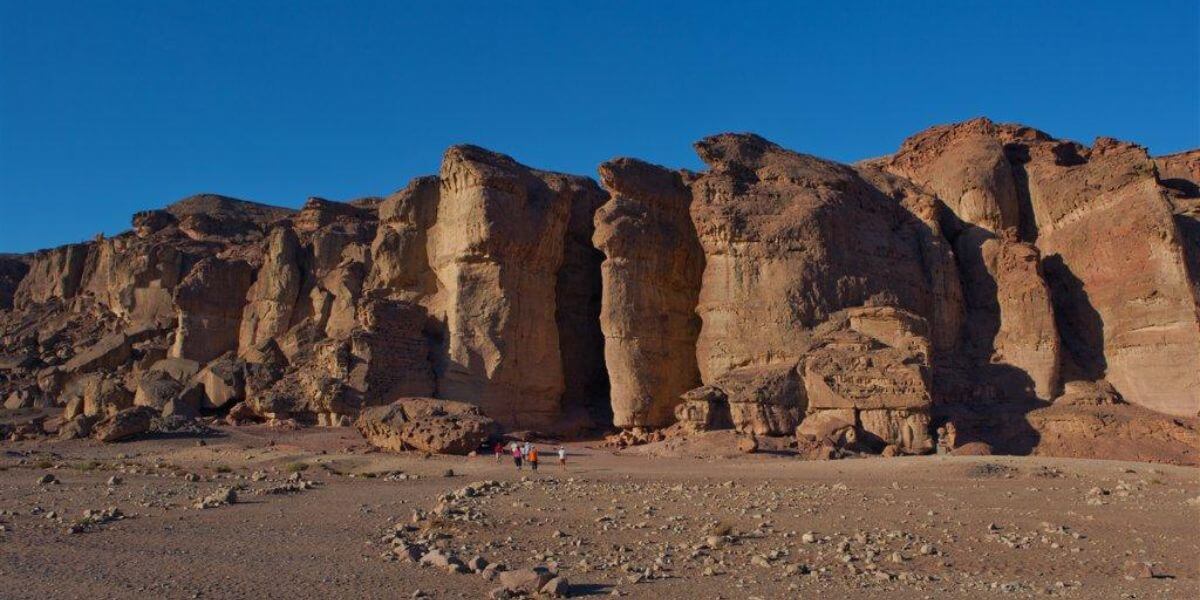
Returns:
point(496, 249)
point(652, 269)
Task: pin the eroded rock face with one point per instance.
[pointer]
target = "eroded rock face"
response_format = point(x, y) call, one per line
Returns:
point(496, 249)
point(977, 273)
point(210, 301)
point(1011, 332)
point(965, 166)
point(54, 273)
point(1115, 261)
point(272, 298)
point(788, 240)
point(651, 272)
point(874, 372)
point(426, 424)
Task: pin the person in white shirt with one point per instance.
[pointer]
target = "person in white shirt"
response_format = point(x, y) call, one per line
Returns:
point(562, 457)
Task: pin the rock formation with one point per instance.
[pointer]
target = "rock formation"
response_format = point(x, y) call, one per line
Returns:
point(985, 278)
point(652, 268)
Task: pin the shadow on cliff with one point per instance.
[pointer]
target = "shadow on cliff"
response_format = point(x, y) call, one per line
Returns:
point(1079, 324)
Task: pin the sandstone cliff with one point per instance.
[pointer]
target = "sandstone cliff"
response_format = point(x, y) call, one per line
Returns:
point(976, 278)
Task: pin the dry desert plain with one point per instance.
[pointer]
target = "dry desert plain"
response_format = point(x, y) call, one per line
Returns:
point(318, 514)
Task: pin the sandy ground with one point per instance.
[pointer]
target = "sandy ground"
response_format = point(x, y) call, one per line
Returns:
point(635, 525)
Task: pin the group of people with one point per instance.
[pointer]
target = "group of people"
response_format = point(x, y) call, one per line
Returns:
point(527, 453)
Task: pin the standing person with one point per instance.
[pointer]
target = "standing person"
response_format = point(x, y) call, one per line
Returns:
point(562, 457)
point(527, 448)
point(516, 454)
point(498, 450)
point(533, 458)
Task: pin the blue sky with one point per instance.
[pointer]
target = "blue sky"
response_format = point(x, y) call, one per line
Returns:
point(111, 107)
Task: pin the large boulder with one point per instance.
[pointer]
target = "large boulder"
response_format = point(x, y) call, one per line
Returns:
point(764, 400)
point(107, 354)
point(103, 396)
point(155, 389)
point(124, 424)
point(223, 381)
point(705, 408)
point(426, 424)
point(651, 272)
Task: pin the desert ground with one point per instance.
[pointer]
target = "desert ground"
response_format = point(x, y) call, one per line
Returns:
point(318, 514)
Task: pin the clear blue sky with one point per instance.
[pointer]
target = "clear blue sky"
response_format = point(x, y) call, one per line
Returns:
point(111, 107)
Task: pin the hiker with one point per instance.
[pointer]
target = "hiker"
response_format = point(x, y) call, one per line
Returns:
point(516, 454)
point(533, 458)
point(528, 446)
point(498, 450)
point(562, 457)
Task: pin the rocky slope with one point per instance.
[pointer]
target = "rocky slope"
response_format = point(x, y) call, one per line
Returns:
point(979, 276)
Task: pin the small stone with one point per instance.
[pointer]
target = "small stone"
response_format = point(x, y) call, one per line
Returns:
point(47, 479)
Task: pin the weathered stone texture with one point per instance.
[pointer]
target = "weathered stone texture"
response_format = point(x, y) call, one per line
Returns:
point(651, 273)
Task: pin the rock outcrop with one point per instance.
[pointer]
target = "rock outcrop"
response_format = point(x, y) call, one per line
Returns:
point(986, 279)
point(790, 239)
point(873, 372)
point(652, 268)
point(426, 424)
point(1115, 260)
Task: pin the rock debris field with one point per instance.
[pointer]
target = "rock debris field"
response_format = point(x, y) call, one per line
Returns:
point(259, 512)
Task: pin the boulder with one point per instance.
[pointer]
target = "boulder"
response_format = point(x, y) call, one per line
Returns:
point(73, 408)
point(426, 424)
point(527, 581)
point(223, 381)
point(179, 369)
point(18, 400)
point(110, 352)
point(767, 400)
point(705, 408)
point(155, 389)
point(124, 424)
point(103, 396)
point(181, 407)
point(77, 427)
